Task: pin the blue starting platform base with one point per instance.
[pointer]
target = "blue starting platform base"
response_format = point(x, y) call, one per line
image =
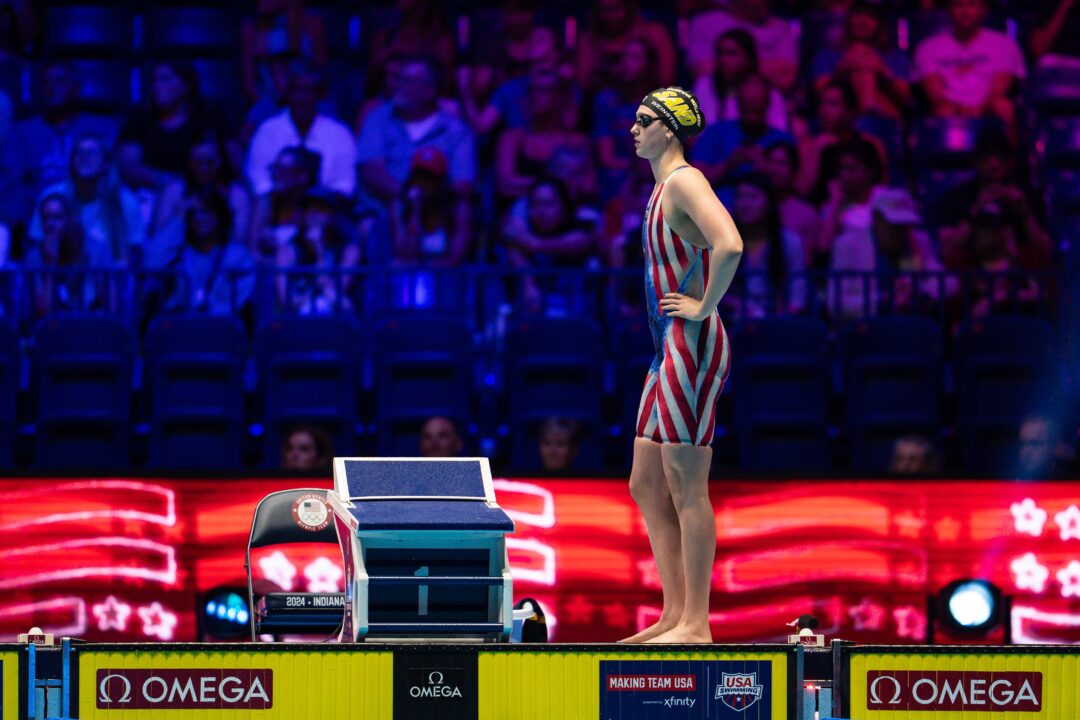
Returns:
point(424, 550)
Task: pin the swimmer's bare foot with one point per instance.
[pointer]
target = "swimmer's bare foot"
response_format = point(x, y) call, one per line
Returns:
point(683, 635)
point(659, 627)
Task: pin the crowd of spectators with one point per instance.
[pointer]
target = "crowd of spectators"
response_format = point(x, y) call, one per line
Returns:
point(502, 137)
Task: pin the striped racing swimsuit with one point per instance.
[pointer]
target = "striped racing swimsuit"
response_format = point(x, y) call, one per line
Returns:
point(693, 358)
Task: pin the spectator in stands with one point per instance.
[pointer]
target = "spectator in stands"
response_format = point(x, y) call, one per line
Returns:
point(1055, 40)
point(797, 216)
point(280, 31)
point(394, 132)
point(903, 247)
point(730, 148)
point(560, 443)
point(154, 143)
point(970, 70)
point(307, 449)
point(771, 257)
point(522, 154)
point(110, 219)
point(1042, 452)
point(994, 246)
point(778, 48)
point(509, 104)
point(214, 272)
point(422, 28)
point(847, 226)
point(302, 124)
point(875, 68)
point(422, 217)
point(320, 246)
point(61, 249)
point(993, 195)
point(548, 237)
point(209, 167)
point(603, 42)
point(736, 60)
point(914, 455)
point(279, 213)
point(637, 76)
point(838, 110)
point(439, 438)
point(44, 142)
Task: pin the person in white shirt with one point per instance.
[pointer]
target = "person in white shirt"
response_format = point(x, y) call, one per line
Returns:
point(970, 70)
point(301, 124)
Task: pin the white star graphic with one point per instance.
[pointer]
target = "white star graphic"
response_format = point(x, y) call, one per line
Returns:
point(323, 575)
point(1069, 577)
point(277, 569)
point(868, 615)
point(1069, 522)
point(910, 622)
point(1028, 516)
point(1030, 575)
point(157, 621)
point(111, 614)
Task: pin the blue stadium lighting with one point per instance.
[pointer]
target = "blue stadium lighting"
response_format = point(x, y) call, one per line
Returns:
point(242, 617)
point(231, 613)
point(221, 611)
point(211, 607)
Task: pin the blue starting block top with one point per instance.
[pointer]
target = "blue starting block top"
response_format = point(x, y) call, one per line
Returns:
point(430, 515)
point(453, 494)
point(417, 478)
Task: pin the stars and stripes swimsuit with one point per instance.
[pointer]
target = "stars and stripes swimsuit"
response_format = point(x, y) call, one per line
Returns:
point(693, 358)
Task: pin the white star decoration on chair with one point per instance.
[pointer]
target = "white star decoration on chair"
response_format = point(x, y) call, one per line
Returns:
point(1030, 574)
point(323, 576)
point(278, 570)
point(1029, 517)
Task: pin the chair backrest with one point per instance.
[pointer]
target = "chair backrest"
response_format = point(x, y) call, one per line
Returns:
point(81, 333)
point(195, 333)
point(413, 478)
point(203, 29)
point(554, 336)
point(782, 336)
point(292, 516)
point(83, 29)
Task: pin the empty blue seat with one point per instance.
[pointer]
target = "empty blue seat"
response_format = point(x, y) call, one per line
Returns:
point(82, 381)
point(554, 367)
point(1006, 369)
point(780, 375)
point(194, 377)
point(88, 30)
point(219, 80)
point(632, 353)
point(892, 371)
point(423, 368)
point(309, 368)
point(203, 30)
point(105, 86)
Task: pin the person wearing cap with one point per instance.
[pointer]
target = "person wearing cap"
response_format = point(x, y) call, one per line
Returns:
point(877, 70)
point(902, 247)
point(692, 249)
point(421, 219)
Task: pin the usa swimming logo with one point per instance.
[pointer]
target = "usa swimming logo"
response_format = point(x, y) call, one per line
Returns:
point(738, 690)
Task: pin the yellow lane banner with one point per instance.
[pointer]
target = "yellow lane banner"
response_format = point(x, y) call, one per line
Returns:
point(121, 684)
point(9, 682)
point(749, 685)
point(975, 684)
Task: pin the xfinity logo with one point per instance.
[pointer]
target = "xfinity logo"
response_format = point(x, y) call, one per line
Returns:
point(183, 689)
point(435, 688)
point(954, 690)
point(672, 702)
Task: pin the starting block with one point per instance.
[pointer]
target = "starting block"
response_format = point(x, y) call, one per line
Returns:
point(424, 549)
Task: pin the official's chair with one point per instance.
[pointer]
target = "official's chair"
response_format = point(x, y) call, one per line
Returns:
point(292, 516)
point(425, 549)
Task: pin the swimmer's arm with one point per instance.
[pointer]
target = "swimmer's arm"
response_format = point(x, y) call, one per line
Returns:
point(694, 196)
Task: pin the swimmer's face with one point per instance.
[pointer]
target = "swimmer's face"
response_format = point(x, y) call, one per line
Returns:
point(650, 135)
